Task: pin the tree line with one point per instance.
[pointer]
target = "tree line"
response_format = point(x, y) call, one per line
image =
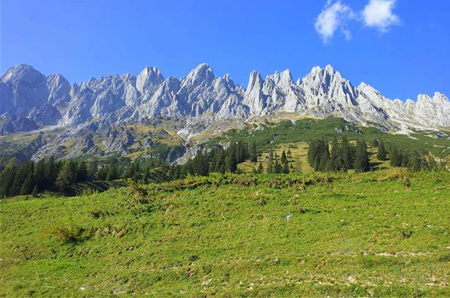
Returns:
point(52, 175)
point(218, 159)
point(341, 156)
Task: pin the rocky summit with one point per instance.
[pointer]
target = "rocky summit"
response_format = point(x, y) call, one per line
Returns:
point(31, 101)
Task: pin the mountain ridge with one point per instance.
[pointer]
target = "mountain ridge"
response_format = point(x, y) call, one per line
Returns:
point(198, 102)
point(321, 93)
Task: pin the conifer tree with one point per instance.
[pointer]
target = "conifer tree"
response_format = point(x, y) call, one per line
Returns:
point(347, 155)
point(270, 166)
point(82, 172)
point(361, 162)
point(286, 167)
point(283, 157)
point(66, 177)
point(278, 168)
point(381, 154)
point(414, 162)
point(394, 157)
point(200, 164)
point(231, 159)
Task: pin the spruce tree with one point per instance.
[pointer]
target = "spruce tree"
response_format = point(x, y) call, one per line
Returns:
point(278, 168)
point(270, 166)
point(65, 177)
point(283, 158)
point(286, 167)
point(381, 154)
point(200, 164)
point(231, 159)
point(414, 162)
point(361, 162)
point(394, 157)
point(82, 172)
point(347, 155)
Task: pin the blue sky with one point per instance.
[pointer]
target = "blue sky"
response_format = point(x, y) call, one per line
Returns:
point(403, 53)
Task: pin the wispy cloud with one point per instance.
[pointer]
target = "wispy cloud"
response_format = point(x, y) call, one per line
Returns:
point(335, 16)
point(332, 18)
point(379, 14)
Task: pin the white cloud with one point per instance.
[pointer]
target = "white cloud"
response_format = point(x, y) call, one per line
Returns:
point(332, 18)
point(378, 14)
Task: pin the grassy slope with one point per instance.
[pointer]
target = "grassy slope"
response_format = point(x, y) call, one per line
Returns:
point(299, 158)
point(305, 130)
point(349, 235)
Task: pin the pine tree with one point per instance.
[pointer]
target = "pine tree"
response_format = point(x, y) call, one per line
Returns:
point(395, 158)
point(286, 167)
point(278, 168)
point(231, 159)
point(92, 168)
point(27, 185)
point(66, 177)
point(82, 172)
point(324, 161)
point(146, 175)
point(52, 169)
point(112, 172)
point(270, 166)
point(347, 155)
point(405, 159)
point(381, 154)
point(7, 179)
point(375, 143)
point(39, 175)
point(283, 157)
point(200, 164)
point(414, 162)
point(289, 153)
point(361, 162)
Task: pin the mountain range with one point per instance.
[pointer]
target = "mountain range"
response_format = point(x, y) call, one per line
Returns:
point(33, 102)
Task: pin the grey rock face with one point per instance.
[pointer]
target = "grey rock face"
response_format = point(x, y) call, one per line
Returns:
point(16, 125)
point(201, 100)
point(24, 89)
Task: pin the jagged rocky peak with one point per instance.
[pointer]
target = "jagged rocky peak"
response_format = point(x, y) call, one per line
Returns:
point(255, 80)
point(25, 92)
point(322, 77)
point(283, 78)
point(22, 72)
point(200, 75)
point(23, 89)
point(329, 84)
point(149, 77)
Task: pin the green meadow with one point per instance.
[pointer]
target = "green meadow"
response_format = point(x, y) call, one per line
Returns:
point(376, 234)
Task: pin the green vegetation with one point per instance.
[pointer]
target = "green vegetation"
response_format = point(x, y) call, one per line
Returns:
point(374, 223)
point(71, 177)
point(383, 233)
point(306, 130)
